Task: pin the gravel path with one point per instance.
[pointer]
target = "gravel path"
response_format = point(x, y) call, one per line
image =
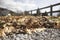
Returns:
point(48, 34)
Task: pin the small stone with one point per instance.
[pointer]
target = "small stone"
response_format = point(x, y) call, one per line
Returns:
point(17, 38)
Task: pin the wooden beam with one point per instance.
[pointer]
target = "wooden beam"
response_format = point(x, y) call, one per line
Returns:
point(46, 7)
point(54, 11)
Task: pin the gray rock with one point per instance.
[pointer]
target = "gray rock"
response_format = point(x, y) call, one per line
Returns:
point(48, 34)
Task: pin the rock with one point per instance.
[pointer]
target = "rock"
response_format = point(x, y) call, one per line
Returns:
point(17, 38)
point(20, 24)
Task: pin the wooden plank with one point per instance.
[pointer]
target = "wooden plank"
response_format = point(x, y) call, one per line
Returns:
point(54, 11)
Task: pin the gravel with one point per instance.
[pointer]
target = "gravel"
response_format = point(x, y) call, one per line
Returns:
point(48, 34)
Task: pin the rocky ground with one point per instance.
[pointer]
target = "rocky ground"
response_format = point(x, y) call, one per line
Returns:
point(29, 28)
point(48, 34)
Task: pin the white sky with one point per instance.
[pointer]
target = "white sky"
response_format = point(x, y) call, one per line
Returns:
point(22, 5)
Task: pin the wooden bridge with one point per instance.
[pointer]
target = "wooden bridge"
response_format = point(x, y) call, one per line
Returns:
point(51, 9)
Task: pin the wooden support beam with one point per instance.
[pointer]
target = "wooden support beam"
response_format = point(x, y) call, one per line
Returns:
point(51, 9)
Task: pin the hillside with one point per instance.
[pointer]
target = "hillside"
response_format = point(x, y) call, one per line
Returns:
point(4, 12)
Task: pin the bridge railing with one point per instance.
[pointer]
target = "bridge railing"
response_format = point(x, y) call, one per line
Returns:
point(51, 9)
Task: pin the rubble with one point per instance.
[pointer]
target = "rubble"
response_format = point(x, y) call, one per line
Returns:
point(48, 34)
point(24, 24)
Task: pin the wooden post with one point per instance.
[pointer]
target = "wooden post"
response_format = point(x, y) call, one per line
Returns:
point(51, 10)
point(31, 12)
point(38, 12)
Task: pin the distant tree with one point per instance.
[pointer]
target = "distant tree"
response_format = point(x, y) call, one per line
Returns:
point(26, 13)
point(45, 14)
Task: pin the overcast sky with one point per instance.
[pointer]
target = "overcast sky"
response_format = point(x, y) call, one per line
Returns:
point(26, 4)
